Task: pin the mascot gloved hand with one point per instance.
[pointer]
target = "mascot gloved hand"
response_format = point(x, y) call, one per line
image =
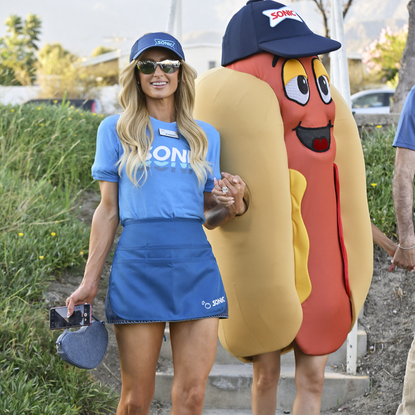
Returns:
point(297, 265)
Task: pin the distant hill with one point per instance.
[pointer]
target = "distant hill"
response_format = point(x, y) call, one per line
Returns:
point(366, 18)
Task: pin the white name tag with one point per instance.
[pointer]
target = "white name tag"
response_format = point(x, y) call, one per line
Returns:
point(168, 133)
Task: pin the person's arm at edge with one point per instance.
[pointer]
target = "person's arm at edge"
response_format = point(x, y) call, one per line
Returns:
point(403, 201)
point(104, 226)
point(380, 239)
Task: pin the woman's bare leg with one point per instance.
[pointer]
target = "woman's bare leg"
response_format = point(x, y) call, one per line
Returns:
point(194, 349)
point(265, 383)
point(309, 379)
point(139, 348)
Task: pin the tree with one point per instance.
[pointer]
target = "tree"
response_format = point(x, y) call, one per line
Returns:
point(406, 71)
point(100, 50)
point(324, 7)
point(18, 50)
point(57, 72)
point(382, 57)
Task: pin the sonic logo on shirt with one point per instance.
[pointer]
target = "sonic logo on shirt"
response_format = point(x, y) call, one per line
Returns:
point(163, 157)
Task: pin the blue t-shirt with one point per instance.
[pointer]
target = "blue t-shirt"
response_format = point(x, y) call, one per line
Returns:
point(171, 189)
point(405, 134)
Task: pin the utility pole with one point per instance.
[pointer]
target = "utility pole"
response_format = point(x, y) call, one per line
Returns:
point(174, 25)
point(339, 70)
point(339, 74)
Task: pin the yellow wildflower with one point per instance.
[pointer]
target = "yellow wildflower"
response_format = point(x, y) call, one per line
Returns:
point(12, 110)
point(20, 234)
point(94, 114)
point(373, 184)
point(378, 126)
point(41, 257)
point(53, 233)
point(41, 125)
point(69, 119)
point(82, 113)
point(39, 108)
point(56, 221)
point(55, 101)
point(81, 253)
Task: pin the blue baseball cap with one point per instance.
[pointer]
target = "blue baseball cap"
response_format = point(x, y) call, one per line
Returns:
point(268, 26)
point(157, 39)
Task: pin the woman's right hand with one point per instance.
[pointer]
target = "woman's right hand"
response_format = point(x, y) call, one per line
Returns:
point(83, 294)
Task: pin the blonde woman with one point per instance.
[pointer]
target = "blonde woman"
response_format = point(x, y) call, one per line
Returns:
point(156, 168)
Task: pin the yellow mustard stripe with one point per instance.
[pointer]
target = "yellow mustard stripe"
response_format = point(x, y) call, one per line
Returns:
point(300, 236)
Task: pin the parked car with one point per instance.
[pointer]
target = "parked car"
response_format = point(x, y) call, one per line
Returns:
point(92, 105)
point(372, 101)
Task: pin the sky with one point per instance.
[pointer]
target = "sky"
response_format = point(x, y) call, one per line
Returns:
point(82, 25)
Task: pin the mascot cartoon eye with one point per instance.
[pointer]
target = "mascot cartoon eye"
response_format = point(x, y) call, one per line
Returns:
point(324, 89)
point(322, 81)
point(295, 81)
point(297, 90)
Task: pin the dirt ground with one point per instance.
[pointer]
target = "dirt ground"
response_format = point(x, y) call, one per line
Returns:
point(389, 321)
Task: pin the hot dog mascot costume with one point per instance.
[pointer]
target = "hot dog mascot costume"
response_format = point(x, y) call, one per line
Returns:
point(298, 264)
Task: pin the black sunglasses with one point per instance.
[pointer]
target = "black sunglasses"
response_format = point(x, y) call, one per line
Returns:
point(149, 67)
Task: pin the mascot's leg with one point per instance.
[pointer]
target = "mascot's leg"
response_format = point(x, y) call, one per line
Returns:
point(309, 380)
point(265, 383)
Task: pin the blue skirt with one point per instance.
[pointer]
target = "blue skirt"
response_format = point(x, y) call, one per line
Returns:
point(164, 270)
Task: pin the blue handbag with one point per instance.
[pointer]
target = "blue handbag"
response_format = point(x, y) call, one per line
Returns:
point(86, 347)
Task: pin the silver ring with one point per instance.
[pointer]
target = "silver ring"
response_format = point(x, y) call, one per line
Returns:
point(225, 189)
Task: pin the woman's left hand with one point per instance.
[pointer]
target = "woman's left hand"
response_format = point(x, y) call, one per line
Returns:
point(229, 192)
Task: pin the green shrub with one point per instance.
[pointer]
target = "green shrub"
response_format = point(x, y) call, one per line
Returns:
point(380, 159)
point(46, 154)
point(46, 141)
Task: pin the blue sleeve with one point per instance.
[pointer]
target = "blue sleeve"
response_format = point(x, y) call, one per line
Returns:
point(213, 156)
point(107, 152)
point(405, 133)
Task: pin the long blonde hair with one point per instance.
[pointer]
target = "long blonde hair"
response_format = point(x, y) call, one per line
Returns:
point(134, 123)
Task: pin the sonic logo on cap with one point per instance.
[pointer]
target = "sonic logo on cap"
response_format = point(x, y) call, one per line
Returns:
point(162, 42)
point(277, 16)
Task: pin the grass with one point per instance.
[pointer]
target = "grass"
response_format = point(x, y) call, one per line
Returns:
point(46, 153)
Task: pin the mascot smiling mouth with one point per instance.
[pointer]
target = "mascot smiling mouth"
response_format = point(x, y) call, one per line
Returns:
point(315, 139)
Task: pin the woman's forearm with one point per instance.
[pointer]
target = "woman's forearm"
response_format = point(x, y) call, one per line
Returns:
point(217, 216)
point(104, 226)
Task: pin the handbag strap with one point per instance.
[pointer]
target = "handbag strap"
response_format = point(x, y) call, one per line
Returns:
point(97, 319)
